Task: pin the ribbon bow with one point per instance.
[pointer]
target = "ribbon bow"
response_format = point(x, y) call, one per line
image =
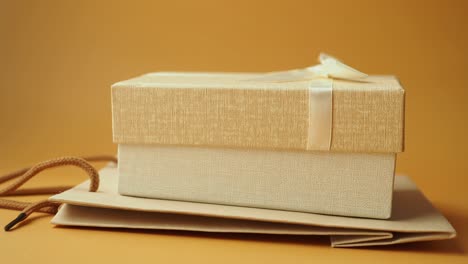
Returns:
point(329, 68)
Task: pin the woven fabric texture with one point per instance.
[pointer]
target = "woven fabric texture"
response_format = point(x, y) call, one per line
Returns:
point(224, 110)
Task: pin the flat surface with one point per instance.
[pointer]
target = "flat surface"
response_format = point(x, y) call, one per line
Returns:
point(59, 59)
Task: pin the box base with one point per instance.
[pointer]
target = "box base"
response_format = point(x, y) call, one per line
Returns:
point(347, 184)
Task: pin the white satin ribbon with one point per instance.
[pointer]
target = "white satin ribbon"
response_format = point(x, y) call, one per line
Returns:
point(320, 95)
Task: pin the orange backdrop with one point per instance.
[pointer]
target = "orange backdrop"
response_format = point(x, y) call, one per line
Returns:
point(59, 58)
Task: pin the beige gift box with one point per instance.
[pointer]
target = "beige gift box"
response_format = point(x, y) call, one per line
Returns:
point(238, 139)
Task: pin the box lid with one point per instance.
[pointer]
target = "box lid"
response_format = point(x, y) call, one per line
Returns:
point(224, 110)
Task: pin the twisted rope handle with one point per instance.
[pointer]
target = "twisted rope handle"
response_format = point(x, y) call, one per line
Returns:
point(20, 177)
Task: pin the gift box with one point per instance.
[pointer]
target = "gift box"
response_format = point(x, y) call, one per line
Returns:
point(321, 139)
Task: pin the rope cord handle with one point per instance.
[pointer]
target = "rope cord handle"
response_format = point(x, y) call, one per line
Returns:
point(20, 177)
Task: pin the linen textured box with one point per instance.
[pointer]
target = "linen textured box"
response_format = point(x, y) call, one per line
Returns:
point(228, 110)
point(235, 139)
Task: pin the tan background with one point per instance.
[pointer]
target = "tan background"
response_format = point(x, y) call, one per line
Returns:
point(59, 58)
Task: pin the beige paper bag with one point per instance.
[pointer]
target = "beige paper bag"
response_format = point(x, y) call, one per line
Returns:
point(413, 218)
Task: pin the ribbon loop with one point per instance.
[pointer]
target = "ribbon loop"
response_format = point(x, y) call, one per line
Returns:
point(334, 68)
